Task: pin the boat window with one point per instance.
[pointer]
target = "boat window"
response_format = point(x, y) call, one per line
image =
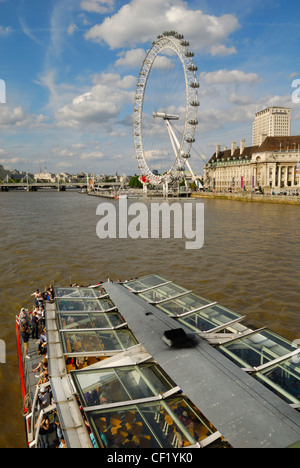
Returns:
point(183, 304)
point(144, 283)
point(170, 423)
point(209, 318)
point(103, 386)
point(162, 293)
point(78, 304)
point(283, 379)
point(78, 341)
point(89, 320)
point(79, 292)
point(257, 349)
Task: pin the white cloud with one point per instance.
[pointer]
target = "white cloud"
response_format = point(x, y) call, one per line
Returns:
point(97, 6)
point(4, 31)
point(132, 58)
point(104, 102)
point(115, 80)
point(222, 50)
point(139, 21)
point(229, 76)
point(92, 155)
point(135, 58)
point(72, 28)
point(59, 94)
point(17, 118)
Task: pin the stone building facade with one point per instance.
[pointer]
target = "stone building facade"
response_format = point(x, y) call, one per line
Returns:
point(271, 166)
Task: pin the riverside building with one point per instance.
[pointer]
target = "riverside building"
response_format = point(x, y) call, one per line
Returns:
point(271, 166)
point(273, 121)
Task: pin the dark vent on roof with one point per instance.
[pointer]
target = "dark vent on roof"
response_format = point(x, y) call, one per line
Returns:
point(178, 338)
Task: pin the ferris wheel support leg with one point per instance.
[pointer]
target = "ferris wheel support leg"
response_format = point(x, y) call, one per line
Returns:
point(191, 171)
point(174, 141)
point(145, 189)
point(165, 189)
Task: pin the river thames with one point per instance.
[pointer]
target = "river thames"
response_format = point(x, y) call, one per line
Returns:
point(249, 262)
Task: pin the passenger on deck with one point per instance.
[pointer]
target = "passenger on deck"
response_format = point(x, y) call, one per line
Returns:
point(62, 443)
point(43, 316)
point(44, 398)
point(39, 300)
point(34, 325)
point(44, 432)
point(43, 342)
point(41, 366)
point(25, 337)
point(44, 376)
point(38, 312)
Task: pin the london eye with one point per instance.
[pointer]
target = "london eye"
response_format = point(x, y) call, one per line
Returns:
point(165, 110)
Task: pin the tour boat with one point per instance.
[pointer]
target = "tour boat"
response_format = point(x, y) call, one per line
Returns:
point(147, 363)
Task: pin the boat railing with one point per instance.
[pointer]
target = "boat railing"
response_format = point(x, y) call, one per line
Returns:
point(34, 442)
point(31, 416)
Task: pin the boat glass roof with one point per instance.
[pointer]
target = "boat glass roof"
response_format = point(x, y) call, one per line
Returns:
point(144, 283)
point(79, 292)
point(162, 293)
point(81, 304)
point(257, 349)
point(284, 379)
point(89, 320)
point(92, 341)
point(250, 352)
point(111, 385)
point(181, 305)
point(169, 423)
point(205, 319)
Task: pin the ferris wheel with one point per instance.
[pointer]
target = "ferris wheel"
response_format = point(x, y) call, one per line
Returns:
point(167, 92)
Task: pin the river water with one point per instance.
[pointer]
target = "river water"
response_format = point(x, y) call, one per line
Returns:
point(249, 262)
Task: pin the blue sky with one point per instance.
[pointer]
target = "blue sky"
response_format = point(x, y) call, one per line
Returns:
point(71, 67)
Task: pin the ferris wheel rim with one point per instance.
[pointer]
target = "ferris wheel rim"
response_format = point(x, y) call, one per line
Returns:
point(174, 41)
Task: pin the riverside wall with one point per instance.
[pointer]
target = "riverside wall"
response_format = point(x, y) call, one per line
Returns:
point(250, 197)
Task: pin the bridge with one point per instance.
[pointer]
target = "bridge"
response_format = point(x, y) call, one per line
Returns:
point(59, 186)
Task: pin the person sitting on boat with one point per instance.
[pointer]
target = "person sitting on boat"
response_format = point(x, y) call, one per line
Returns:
point(43, 342)
point(44, 376)
point(41, 366)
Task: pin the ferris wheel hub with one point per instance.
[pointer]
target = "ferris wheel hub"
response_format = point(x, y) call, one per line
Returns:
point(165, 116)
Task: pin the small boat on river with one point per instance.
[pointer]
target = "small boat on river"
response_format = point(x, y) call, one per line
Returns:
point(147, 363)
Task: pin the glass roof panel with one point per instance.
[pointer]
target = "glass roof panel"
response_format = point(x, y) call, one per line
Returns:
point(169, 423)
point(163, 292)
point(144, 283)
point(89, 320)
point(183, 304)
point(257, 349)
point(283, 379)
point(209, 318)
point(78, 304)
point(78, 341)
point(102, 386)
point(78, 292)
